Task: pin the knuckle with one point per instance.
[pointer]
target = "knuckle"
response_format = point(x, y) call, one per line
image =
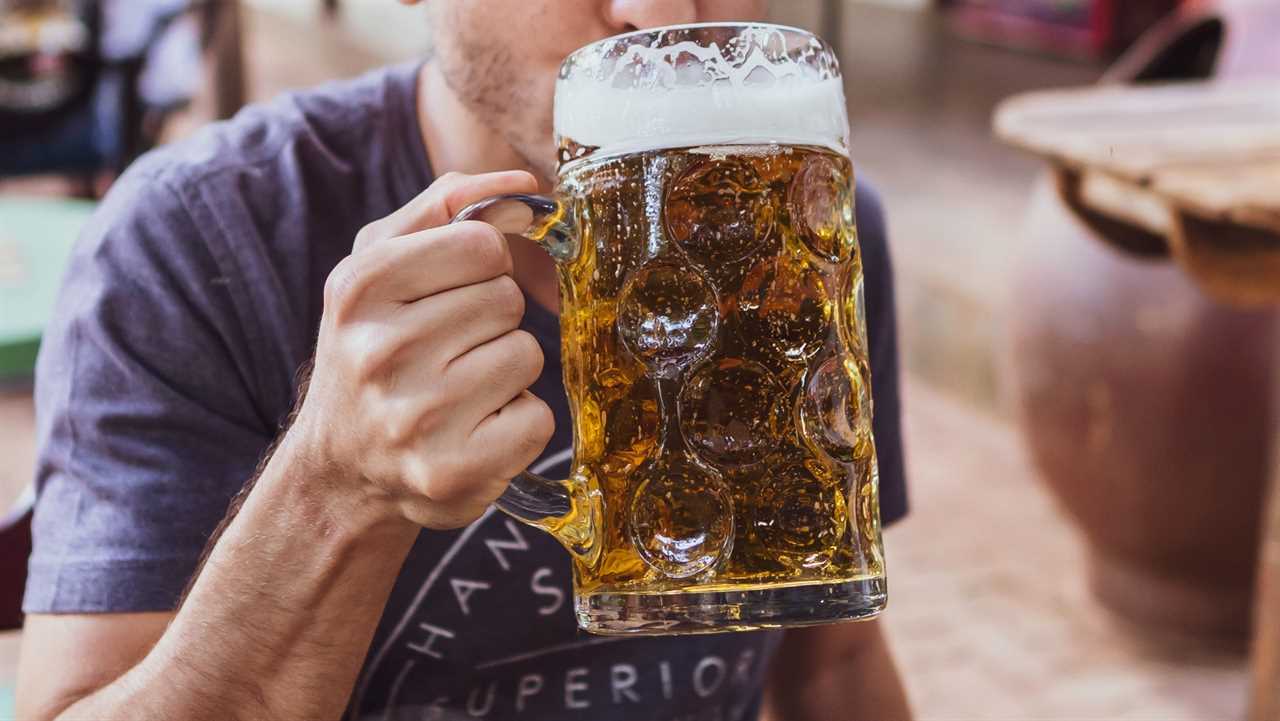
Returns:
point(399, 429)
point(486, 246)
point(528, 354)
point(522, 359)
point(543, 424)
point(433, 414)
point(367, 235)
point(534, 434)
point(526, 346)
point(457, 191)
point(507, 298)
point(372, 354)
point(341, 282)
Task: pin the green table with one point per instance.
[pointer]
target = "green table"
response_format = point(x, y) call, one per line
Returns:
point(36, 235)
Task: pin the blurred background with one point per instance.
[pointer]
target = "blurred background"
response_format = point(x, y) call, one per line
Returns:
point(1087, 431)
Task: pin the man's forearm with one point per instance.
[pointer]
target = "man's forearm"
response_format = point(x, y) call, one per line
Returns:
point(836, 673)
point(279, 620)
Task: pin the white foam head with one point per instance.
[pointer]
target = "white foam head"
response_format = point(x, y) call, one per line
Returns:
point(700, 85)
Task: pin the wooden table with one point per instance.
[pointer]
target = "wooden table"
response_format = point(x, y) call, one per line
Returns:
point(1192, 171)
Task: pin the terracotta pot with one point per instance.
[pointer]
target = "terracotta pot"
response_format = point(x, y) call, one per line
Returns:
point(1146, 405)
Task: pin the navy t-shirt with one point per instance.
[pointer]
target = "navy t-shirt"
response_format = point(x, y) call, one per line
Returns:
point(190, 304)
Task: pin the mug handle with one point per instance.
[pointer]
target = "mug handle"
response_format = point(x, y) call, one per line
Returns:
point(566, 509)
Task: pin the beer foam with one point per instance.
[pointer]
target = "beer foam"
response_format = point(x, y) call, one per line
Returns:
point(764, 88)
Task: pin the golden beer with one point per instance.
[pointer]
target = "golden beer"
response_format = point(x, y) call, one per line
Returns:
point(713, 335)
point(717, 368)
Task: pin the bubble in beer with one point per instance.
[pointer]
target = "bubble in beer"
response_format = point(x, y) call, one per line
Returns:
point(630, 428)
point(832, 408)
point(801, 514)
point(681, 516)
point(822, 203)
point(868, 500)
point(732, 412)
point(720, 210)
point(854, 322)
point(667, 317)
point(785, 302)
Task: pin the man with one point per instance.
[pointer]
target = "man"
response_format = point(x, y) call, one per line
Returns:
point(361, 571)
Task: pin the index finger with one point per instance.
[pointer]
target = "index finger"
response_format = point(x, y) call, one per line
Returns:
point(443, 199)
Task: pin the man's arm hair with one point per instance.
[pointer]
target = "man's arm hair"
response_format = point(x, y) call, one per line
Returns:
point(303, 381)
point(244, 645)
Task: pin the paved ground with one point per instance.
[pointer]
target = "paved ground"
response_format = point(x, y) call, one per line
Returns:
point(988, 609)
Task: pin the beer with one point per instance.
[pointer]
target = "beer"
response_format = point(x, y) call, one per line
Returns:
point(713, 343)
point(717, 368)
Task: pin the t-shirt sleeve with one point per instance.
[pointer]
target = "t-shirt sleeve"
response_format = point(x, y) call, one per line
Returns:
point(882, 337)
point(146, 425)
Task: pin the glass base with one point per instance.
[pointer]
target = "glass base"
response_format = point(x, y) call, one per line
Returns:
point(659, 614)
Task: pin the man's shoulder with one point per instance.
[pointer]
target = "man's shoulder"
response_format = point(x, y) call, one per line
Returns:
point(331, 124)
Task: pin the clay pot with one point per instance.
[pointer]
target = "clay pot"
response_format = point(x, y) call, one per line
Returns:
point(1147, 409)
point(1147, 405)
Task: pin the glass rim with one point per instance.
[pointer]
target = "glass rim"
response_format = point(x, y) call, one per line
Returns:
point(727, 25)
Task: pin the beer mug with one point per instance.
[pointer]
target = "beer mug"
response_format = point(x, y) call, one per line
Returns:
point(713, 332)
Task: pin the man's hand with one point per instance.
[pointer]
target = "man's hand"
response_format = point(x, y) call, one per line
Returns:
point(419, 390)
point(417, 409)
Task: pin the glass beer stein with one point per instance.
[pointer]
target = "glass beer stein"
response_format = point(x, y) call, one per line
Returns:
point(714, 346)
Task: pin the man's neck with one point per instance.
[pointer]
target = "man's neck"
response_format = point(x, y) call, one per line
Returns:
point(455, 137)
point(458, 141)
